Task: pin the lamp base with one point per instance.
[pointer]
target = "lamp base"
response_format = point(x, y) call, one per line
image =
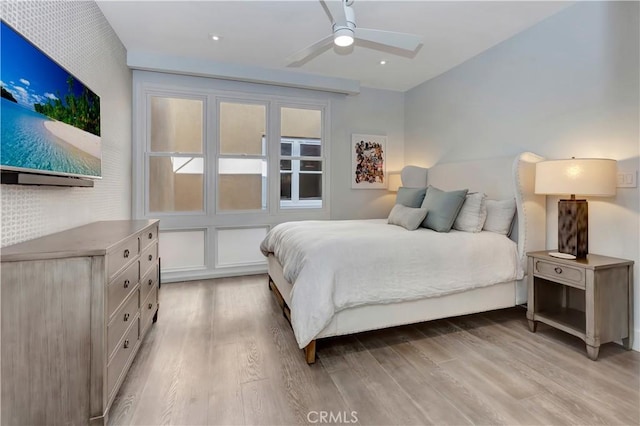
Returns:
point(573, 227)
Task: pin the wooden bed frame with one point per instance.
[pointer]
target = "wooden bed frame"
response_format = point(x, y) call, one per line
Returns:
point(499, 178)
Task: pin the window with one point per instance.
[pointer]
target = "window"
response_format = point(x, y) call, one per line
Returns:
point(175, 158)
point(300, 173)
point(242, 160)
point(222, 167)
point(301, 158)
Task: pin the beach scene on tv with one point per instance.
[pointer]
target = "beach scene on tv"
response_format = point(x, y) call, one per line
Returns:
point(50, 121)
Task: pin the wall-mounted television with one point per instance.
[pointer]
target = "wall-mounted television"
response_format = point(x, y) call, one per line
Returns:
point(50, 121)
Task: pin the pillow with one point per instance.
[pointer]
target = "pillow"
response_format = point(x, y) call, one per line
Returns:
point(442, 208)
point(500, 216)
point(410, 197)
point(472, 214)
point(407, 217)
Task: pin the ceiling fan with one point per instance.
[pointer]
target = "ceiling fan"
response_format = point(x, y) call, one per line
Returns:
point(345, 31)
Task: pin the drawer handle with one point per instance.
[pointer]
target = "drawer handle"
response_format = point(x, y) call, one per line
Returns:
point(126, 283)
point(126, 317)
point(558, 270)
point(150, 305)
point(150, 257)
point(150, 281)
point(126, 253)
point(126, 343)
point(150, 235)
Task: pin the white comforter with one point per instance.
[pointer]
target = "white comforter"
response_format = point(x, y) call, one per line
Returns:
point(334, 265)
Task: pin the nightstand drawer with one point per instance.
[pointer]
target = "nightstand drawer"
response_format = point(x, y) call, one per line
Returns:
point(558, 272)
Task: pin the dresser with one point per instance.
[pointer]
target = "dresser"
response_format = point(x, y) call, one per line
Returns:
point(76, 306)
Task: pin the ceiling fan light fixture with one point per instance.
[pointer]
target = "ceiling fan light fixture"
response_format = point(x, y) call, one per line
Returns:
point(343, 37)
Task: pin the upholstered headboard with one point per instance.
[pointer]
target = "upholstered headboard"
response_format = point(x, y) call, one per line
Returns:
point(499, 178)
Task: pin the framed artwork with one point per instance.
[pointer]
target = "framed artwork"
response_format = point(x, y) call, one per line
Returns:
point(368, 161)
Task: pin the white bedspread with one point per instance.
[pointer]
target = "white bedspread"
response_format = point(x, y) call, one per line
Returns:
point(334, 265)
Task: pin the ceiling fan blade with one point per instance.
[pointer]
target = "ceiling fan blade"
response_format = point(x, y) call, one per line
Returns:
point(300, 56)
point(327, 11)
point(336, 9)
point(390, 38)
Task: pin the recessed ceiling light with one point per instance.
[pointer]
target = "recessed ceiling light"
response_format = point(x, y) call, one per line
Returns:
point(215, 37)
point(383, 62)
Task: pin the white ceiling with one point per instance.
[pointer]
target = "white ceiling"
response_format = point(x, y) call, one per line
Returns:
point(264, 33)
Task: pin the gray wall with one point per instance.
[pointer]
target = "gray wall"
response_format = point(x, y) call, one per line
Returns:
point(78, 37)
point(568, 86)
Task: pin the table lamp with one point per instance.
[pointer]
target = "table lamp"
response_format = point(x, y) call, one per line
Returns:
point(395, 181)
point(582, 176)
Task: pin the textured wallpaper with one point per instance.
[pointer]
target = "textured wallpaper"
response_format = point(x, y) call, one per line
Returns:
point(78, 37)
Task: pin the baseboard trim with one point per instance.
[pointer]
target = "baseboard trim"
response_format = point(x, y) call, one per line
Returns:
point(203, 274)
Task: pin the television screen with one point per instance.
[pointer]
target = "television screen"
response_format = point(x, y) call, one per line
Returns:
point(50, 121)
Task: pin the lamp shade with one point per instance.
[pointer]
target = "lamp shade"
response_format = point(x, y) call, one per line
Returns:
point(395, 181)
point(580, 176)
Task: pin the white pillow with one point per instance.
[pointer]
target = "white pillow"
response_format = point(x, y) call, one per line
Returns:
point(407, 217)
point(500, 216)
point(472, 214)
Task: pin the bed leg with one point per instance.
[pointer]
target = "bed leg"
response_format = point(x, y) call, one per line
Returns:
point(310, 352)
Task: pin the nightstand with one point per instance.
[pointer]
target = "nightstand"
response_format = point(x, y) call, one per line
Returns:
point(590, 298)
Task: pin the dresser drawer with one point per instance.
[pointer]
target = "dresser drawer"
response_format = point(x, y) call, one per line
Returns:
point(148, 258)
point(148, 309)
point(121, 287)
point(148, 282)
point(124, 351)
point(121, 321)
point(120, 256)
point(149, 236)
point(559, 272)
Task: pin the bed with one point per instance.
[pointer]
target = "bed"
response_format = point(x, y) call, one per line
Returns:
point(335, 278)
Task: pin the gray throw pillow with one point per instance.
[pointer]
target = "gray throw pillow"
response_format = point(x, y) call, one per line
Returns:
point(442, 208)
point(410, 197)
point(407, 217)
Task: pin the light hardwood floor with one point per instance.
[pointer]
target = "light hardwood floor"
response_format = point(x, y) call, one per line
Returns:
point(222, 353)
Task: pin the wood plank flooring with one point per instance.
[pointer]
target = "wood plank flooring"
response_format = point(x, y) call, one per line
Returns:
point(222, 353)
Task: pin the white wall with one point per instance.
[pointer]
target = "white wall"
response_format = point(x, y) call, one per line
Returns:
point(373, 111)
point(568, 86)
point(78, 37)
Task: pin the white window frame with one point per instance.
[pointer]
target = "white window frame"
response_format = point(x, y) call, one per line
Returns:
point(211, 92)
point(148, 154)
point(296, 159)
point(264, 157)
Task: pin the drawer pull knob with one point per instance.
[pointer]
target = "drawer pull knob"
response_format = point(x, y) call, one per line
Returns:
point(126, 317)
point(558, 270)
point(126, 343)
point(126, 253)
point(150, 281)
point(150, 305)
point(150, 257)
point(126, 283)
point(150, 235)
